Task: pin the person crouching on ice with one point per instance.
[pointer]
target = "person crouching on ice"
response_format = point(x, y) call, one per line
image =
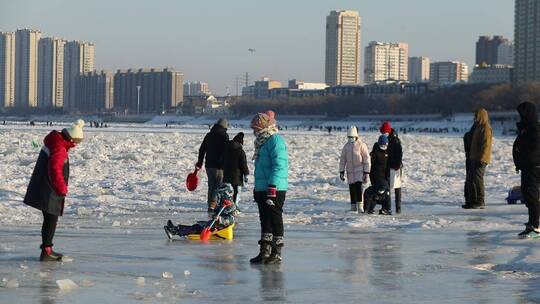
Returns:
point(379, 191)
point(224, 197)
point(355, 162)
point(49, 183)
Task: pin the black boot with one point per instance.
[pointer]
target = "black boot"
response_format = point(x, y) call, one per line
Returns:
point(275, 256)
point(48, 255)
point(264, 253)
point(398, 200)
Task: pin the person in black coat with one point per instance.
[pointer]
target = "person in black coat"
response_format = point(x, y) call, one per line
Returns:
point(235, 169)
point(213, 147)
point(467, 142)
point(379, 191)
point(526, 155)
point(395, 162)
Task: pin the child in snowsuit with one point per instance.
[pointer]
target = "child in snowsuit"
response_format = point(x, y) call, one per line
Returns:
point(356, 162)
point(225, 219)
point(379, 192)
point(49, 183)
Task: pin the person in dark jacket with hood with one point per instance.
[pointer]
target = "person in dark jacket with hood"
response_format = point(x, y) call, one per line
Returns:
point(479, 156)
point(213, 147)
point(379, 191)
point(526, 154)
point(48, 185)
point(235, 169)
point(395, 162)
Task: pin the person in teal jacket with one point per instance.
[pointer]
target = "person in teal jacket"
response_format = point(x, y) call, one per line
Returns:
point(271, 183)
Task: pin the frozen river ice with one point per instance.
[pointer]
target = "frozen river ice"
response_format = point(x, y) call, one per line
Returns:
point(126, 183)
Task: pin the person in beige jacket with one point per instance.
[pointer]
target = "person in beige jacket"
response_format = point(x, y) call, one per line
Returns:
point(355, 161)
point(479, 158)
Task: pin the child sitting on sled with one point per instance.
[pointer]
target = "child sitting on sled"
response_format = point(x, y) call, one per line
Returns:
point(226, 218)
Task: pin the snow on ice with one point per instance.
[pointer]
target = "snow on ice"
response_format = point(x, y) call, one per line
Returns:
point(127, 180)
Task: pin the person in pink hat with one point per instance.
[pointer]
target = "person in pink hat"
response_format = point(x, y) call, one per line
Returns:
point(395, 162)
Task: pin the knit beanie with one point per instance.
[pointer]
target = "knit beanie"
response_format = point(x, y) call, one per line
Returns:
point(383, 141)
point(386, 127)
point(352, 132)
point(263, 120)
point(75, 132)
point(223, 122)
point(239, 138)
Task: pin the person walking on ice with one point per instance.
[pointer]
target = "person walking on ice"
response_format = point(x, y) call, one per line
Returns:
point(48, 185)
point(355, 161)
point(213, 147)
point(526, 155)
point(395, 162)
point(271, 183)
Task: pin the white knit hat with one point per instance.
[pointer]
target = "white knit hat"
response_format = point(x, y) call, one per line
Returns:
point(352, 132)
point(76, 131)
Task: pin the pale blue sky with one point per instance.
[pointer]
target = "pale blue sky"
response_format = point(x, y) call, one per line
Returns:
point(208, 40)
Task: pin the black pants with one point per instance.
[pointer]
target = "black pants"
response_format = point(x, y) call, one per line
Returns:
point(530, 191)
point(475, 183)
point(48, 229)
point(235, 195)
point(271, 216)
point(355, 190)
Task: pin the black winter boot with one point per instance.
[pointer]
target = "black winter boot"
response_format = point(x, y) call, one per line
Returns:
point(275, 256)
point(398, 200)
point(48, 255)
point(265, 249)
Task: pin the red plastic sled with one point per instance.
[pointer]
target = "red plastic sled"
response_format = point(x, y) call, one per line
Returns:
point(192, 180)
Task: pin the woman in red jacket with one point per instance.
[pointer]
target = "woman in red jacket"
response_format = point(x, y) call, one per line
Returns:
point(49, 183)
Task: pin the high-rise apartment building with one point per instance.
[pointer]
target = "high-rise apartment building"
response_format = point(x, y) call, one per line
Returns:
point(526, 37)
point(94, 92)
point(493, 50)
point(196, 88)
point(51, 73)
point(342, 66)
point(7, 69)
point(159, 90)
point(78, 59)
point(448, 73)
point(386, 61)
point(419, 69)
point(26, 67)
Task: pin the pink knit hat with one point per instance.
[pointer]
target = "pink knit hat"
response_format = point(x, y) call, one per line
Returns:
point(263, 120)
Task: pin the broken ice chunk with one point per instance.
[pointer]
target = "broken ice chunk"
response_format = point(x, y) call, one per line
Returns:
point(66, 284)
point(13, 283)
point(167, 275)
point(187, 273)
point(140, 281)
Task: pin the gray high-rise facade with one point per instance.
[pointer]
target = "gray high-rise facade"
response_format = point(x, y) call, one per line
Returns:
point(526, 41)
point(26, 67)
point(342, 64)
point(493, 50)
point(78, 59)
point(94, 92)
point(419, 69)
point(159, 90)
point(7, 69)
point(51, 73)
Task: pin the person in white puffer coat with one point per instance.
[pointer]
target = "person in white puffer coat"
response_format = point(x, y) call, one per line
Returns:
point(355, 161)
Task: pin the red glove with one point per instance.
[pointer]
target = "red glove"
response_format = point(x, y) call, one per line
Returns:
point(271, 194)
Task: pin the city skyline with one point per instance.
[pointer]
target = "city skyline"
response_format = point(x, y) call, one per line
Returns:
point(289, 43)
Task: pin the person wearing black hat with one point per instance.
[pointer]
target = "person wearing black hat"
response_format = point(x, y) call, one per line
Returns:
point(235, 169)
point(526, 155)
point(213, 147)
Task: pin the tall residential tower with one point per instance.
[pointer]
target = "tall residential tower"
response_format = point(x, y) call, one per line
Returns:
point(386, 61)
point(342, 65)
point(7, 69)
point(26, 67)
point(78, 59)
point(419, 69)
point(526, 37)
point(51, 73)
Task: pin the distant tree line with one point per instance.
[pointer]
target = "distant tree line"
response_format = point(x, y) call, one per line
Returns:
point(459, 98)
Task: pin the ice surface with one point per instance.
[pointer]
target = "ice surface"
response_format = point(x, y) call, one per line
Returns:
point(127, 181)
point(13, 283)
